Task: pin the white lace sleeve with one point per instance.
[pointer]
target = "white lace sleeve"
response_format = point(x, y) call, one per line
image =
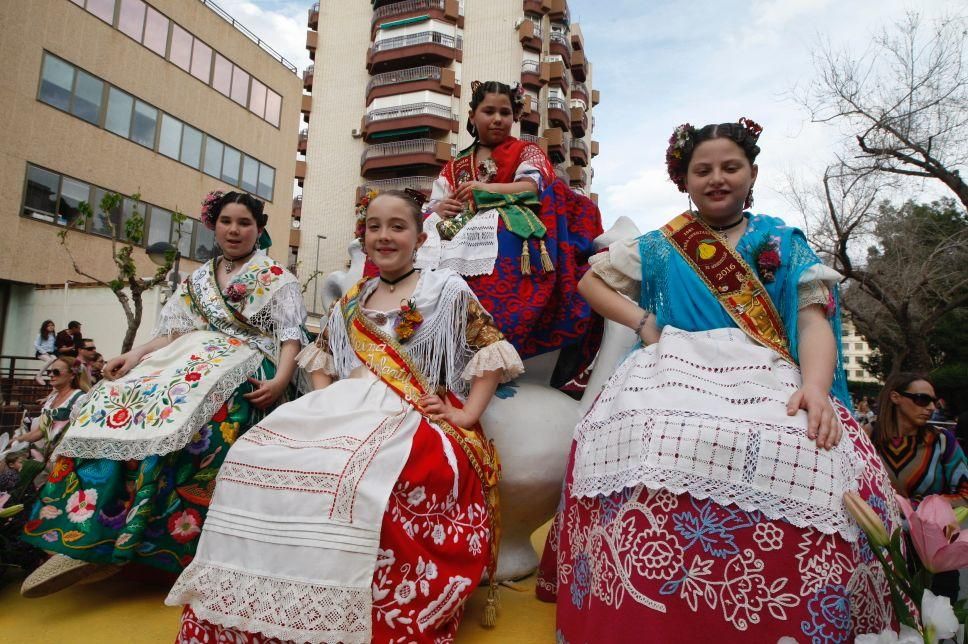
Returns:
point(175, 317)
point(441, 190)
point(315, 358)
point(528, 171)
point(620, 267)
point(498, 356)
point(289, 314)
point(815, 284)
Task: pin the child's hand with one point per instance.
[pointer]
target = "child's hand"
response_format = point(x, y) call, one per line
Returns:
point(437, 408)
point(649, 334)
point(822, 423)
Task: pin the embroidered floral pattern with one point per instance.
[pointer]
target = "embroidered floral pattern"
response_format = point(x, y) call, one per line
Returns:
point(185, 526)
point(80, 506)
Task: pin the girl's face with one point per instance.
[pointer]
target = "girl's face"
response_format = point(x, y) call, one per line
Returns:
point(49, 328)
point(493, 119)
point(908, 409)
point(719, 178)
point(392, 235)
point(236, 231)
point(63, 376)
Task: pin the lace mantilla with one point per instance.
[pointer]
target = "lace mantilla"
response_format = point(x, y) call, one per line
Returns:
point(289, 610)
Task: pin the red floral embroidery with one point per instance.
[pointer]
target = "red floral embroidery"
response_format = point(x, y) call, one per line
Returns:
point(275, 270)
point(185, 526)
point(62, 467)
point(119, 419)
point(194, 376)
point(221, 414)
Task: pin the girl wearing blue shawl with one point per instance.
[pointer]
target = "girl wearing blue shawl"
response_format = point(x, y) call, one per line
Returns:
point(704, 493)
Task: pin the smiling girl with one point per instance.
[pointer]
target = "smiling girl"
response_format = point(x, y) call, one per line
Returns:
point(363, 511)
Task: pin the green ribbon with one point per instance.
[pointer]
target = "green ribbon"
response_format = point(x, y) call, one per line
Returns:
point(518, 211)
point(264, 240)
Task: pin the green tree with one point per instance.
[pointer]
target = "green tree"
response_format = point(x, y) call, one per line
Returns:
point(128, 287)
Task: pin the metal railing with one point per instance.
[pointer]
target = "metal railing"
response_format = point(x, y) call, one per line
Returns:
point(396, 148)
point(401, 183)
point(581, 88)
point(308, 72)
point(530, 67)
point(224, 15)
point(555, 103)
point(559, 37)
point(579, 144)
point(538, 30)
point(530, 138)
point(425, 72)
point(405, 7)
point(422, 38)
point(411, 110)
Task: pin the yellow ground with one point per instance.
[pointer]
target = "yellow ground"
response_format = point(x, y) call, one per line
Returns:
point(126, 610)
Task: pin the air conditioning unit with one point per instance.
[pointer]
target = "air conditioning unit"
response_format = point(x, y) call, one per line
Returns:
point(357, 133)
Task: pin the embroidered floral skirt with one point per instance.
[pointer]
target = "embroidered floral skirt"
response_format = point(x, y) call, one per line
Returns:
point(149, 511)
point(683, 569)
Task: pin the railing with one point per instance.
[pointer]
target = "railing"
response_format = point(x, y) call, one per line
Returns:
point(581, 88)
point(17, 385)
point(397, 148)
point(530, 138)
point(423, 38)
point(538, 30)
point(406, 7)
point(401, 183)
point(555, 103)
point(411, 110)
point(426, 72)
point(530, 67)
point(559, 37)
point(308, 72)
point(304, 134)
point(579, 144)
point(248, 34)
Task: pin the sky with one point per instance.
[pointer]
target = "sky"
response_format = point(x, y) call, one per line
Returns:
point(659, 63)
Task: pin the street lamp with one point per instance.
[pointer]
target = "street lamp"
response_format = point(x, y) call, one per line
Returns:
point(158, 253)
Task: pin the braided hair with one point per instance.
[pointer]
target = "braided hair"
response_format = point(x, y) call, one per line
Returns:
point(254, 206)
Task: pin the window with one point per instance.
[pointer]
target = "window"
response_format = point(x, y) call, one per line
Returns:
point(267, 178)
point(846, 359)
point(240, 85)
point(88, 92)
point(156, 32)
point(191, 151)
point(859, 346)
point(56, 82)
point(859, 373)
point(144, 124)
point(181, 48)
point(185, 241)
point(257, 99)
point(128, 208)
point(222, 75)
point(250, 174)
point(103, 9)
point(230, 166)
point(73, 192)
point(204, 248)
point(118, 117)
point(41, 194)
point(213, 157)
point(273, 107)
point(101, 223)
point(169, 141)
point(201, 61)
point(159, 226)
point(131, 18)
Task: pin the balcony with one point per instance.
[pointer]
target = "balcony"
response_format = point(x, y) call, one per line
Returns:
point(596, 97)
point(297, 207)
point(313, 21)
point(424, 48)
point(594, 149)
point(578, 67)
point(537, 6)
point(427, 77)
point(540, 141)
point(437, 117)
point(294, 234)
point(300, 172)
point(558, 113)
point(579, 121)
point(578, 152)
point(303, 140)
point(531, 112)
point(530, 35)
point(559, 11)
point(311, 39)
point(577, 176)
point(443, 10)
point(577, 40)
point(420, 183)
point(308, 78)
point(534, 75)
point(307, 105)
point(558, 44)
point(555, 137)
point(579, 92)
point(558, 74)
point(409, 153)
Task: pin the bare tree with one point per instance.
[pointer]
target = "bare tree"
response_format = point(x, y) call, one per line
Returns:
point(127, 286)
point(904, 101)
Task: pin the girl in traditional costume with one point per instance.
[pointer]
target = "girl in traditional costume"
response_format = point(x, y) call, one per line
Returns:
point(519, 235)
point(365, 510)
point(137, 465)
point(701, 500)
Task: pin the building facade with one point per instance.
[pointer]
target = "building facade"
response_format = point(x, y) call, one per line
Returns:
point(856, 351)
point(161, 99)
point(387, 99)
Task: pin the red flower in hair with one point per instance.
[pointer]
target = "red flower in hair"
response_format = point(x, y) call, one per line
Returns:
point(209, 203)
point(676, 157)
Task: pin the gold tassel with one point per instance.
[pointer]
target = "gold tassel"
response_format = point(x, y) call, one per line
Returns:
point(546, 259)
point(490, 609)
point(525, 259)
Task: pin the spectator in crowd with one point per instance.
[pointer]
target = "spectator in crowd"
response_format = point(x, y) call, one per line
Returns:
point(85, 356)
point(921, 459)
point(69, 339)
point(44, 346)
point(940, 414)
point(97, 367)
point(863, 415)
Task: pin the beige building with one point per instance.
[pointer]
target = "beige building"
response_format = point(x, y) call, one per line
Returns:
point(388, 99)
point(167, 99)
point(856, 350)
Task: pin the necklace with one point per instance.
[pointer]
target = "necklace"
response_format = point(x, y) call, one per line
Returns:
point(393, 283)
point(720, 229)
point(229, 264)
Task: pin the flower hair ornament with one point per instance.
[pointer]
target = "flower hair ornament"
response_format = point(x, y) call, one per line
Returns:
point(361, 214)
point(676, 164)
point(753, 129)
point(209, 206)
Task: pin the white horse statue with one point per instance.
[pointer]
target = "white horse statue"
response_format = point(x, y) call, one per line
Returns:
point(532, 428)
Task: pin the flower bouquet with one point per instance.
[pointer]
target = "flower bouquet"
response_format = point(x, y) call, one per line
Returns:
point(940, 545)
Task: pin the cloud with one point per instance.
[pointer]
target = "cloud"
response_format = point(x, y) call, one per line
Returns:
point(281, 25)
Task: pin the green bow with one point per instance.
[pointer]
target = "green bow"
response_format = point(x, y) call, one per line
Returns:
point(518, 211)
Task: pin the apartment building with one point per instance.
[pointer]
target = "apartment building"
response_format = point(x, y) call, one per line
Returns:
point(387, 99)
point(856, 350)
point(166, 99)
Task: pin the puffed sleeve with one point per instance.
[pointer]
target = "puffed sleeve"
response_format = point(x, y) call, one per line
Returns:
point(815, 285)
point(177, 316)
point(620, 267)
point(493, 352)
point(289, 313)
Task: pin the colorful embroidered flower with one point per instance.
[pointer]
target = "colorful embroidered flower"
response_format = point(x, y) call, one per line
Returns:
point(361, 214)
point(166, 412)
point(405, 592)
point(185, 526)
point(486, 171)
point(410, 320)
point(193, 376)
point(49, 512)
point(417, 496)
point(200, 441)
point(234, 342)
point(275, 270)
point(113, 517)
point(230, 431)
point(62, 467)
point(768, 537)
point(209, 204)
point(221, 414)
point(656, 554)
point(768, 259)
point(430, 572)
point(438, 534)
point(50, 537)
point(119, 418)
point(236, 292)
point(80, 506)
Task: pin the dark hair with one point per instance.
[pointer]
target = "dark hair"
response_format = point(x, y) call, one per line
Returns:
point(744, 133)
point(413, 205)
point(480, 90)
point(886, 426)
point(255, 206)
point(43, 329)
point(73, 324)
